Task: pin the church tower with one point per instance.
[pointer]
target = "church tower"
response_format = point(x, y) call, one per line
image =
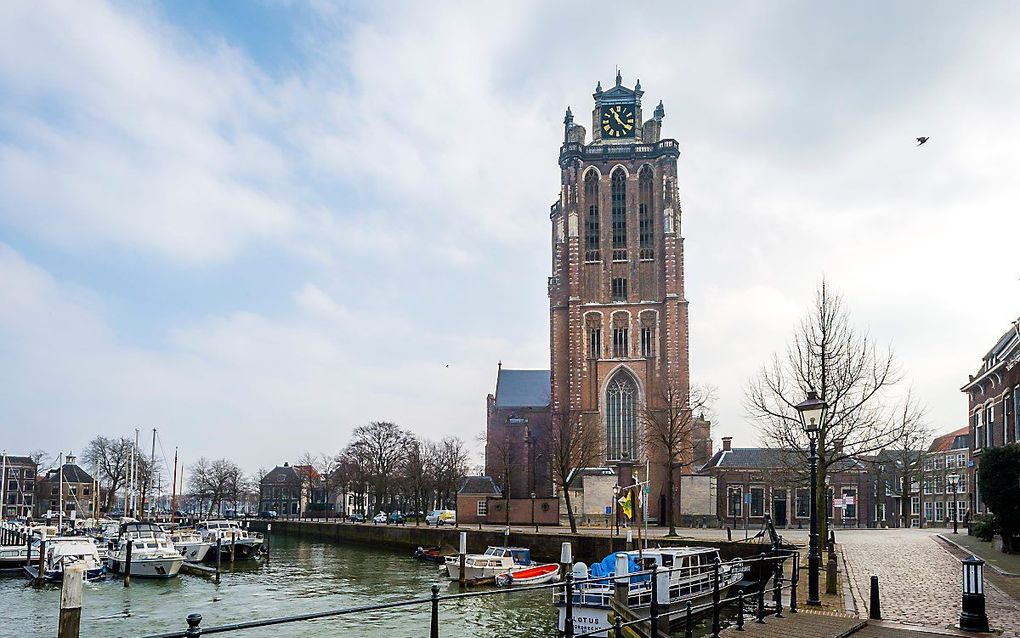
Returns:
point(617, 310)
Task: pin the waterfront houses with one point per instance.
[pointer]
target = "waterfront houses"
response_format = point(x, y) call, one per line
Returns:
point(78, 491)
point(993, 397)
point(17, 492)
point(288, 490)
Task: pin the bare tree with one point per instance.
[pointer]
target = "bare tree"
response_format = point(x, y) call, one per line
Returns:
point(381, 447)
point(503, 458)
point(849, 372)
point(418, 472)
point(449, 469)
point(212, 482)
point(574, 443)
point(110, 457)
point(669, 431)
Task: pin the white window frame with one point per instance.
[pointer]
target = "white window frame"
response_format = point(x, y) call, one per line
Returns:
point(482, 507)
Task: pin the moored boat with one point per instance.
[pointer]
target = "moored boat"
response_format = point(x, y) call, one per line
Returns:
point(152, 553)
point(235, 542)
point(537, 575)
point(430, 555)
point(63, 551)
point(190, 544)
point(495, 561)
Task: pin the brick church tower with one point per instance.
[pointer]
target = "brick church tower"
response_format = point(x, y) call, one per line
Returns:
point(617, 310)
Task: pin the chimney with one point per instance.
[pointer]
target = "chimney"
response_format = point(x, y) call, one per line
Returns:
point(727, 444)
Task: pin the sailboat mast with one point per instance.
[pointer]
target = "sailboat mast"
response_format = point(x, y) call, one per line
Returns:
point(3, 486)
point(60, 494)
point(152, 469)
point(173, 491)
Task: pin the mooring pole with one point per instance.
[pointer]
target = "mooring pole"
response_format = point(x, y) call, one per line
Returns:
point(715, 598)
point(127, 563)
point(233, 545)
point(268, 543)
point(42, 559)
point(219, 556)
point(462, 559)
point(70, 601)
point(689, 627)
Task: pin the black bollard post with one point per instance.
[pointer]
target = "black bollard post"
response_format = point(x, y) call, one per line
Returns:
point(689, 621)
point(219, 556)
point(568, 590)
point(434, 630)
point(972, 612)
point(761, 603)
point(28, 550)
point(42, 561)
point(729, 533)
point(127, 563)
point(194, 620)
point(777, 593)
point(794, 581)
point(875, 608)
point(740, 610)
point(715, 598)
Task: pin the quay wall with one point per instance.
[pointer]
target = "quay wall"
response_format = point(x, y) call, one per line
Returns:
point(544, 546)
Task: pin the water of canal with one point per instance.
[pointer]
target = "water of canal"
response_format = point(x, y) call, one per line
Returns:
point(303, 576)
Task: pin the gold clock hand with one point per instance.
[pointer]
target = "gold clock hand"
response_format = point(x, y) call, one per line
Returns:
point(617, 116)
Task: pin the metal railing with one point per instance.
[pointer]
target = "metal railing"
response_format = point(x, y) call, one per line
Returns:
point(571, 592)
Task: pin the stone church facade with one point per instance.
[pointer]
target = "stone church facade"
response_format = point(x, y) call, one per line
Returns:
point(618, 315)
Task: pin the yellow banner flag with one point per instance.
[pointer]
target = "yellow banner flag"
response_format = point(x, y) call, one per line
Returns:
point(626, 506)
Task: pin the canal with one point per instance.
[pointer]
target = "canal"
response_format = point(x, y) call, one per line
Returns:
point(303, 576)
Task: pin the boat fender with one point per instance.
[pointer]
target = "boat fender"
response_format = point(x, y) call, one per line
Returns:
point(504, 580)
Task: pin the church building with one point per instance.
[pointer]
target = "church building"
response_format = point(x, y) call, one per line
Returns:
point(618, 316)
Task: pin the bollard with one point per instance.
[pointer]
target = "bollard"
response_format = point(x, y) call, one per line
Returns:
point(194, 620)
point(689, 622)
point(70, 601)
point(715, 598)
point(777, 593)
point(740, 610)
point(621, 585)
point(568, 590)
point(434, 630)
point(729, 533)
point(830, 574)
point(660, 577)
point(972, 612)
point(875, 608)
point(42, 560)
point(794, 581)
point(127, 563)
point(219, 555)
point(462, 559)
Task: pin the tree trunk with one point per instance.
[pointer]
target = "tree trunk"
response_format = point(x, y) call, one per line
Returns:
point(570, 510)
point(669, 499)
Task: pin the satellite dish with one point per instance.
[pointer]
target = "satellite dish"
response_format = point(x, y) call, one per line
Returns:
point(580, 571)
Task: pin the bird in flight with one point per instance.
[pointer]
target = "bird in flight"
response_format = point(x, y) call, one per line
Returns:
point(921, 140)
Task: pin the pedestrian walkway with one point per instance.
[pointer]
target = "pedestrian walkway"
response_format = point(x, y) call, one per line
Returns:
point(799, 625)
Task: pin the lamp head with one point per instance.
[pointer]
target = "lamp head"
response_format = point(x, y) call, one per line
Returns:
point(812, 413)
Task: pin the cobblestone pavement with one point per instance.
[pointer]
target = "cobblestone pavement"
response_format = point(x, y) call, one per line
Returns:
point(919, 580)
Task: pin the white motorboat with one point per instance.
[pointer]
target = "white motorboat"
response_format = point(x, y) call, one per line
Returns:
point(690, 579)
point(233, 540)
point(152, 553)
point(190, 544)
point(495, 561)
point(63, 551)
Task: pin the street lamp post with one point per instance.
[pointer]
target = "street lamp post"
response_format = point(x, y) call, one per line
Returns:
point(533, 512)
point(812, 414)
point(954, 480)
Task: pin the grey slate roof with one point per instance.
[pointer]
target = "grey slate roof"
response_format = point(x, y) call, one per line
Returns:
point(768, 458)
point(479, 485)
point(282, 474)
point(72, 474)
point(522, 388)
point(20, 460)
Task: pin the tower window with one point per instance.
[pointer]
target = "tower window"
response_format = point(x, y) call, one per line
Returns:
point(595, 343)
point(620, 417)
point(591, 229)
point(646, 218)
point(619, 200)
point(620, 349)
point(619, 289)
point(647, 343)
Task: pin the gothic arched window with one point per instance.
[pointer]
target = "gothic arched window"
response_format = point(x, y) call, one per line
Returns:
point(591, 228)
point(621, 396)
point(619, 197)
point(646, 223)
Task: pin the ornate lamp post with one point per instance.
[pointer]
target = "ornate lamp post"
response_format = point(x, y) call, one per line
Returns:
point(533, 512)
point(954, 480)
point(812, 414)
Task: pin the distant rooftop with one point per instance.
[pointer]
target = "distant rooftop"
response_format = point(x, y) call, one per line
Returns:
point(522, 388)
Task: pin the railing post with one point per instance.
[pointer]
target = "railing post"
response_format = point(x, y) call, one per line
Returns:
point(794, 581)
point(617, 627)
point(777, 582)
point(715, 598)
point(740, 611)
point(568, 590)
point(653, 616)
point(689, 622)
point(434, 632)
point(761, 603)
point(194, 620)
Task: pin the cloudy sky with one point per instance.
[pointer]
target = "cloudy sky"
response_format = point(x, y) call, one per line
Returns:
point(255, 226)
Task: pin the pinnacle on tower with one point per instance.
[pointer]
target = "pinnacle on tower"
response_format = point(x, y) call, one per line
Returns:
point(568, 119)
point(660, 112)
point(619, 78)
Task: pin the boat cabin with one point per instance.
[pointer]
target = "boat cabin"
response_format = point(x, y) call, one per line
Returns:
point(519, 555)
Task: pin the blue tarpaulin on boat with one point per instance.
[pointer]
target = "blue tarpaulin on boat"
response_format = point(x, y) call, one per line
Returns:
point(607, 567)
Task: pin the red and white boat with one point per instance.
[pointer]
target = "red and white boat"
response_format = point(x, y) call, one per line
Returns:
point(537, 575)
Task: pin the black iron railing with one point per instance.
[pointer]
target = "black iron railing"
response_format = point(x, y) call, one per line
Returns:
point(571, 592)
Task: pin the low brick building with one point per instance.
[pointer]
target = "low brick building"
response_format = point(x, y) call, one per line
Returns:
point(473, 499)
point(78, 496)
point(17, 493)
point(751, 482)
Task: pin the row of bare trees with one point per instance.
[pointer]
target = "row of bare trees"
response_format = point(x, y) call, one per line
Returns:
point(395, 468)
point(215, 483)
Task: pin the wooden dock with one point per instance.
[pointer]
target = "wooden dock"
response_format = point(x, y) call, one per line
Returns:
point(196, 569)
point(800, 625)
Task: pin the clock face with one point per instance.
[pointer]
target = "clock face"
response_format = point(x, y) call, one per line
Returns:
point(618, 121)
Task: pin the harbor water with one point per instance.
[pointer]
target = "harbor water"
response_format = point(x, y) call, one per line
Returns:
point(302, 577)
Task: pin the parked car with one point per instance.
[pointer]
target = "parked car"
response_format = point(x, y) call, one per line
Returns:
point(395, 518)
point(357, 517)
point(268, 514)
point(379, 518)
point(441, 517)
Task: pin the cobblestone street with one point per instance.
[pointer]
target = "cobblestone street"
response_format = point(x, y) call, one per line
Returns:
point(920, 581)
